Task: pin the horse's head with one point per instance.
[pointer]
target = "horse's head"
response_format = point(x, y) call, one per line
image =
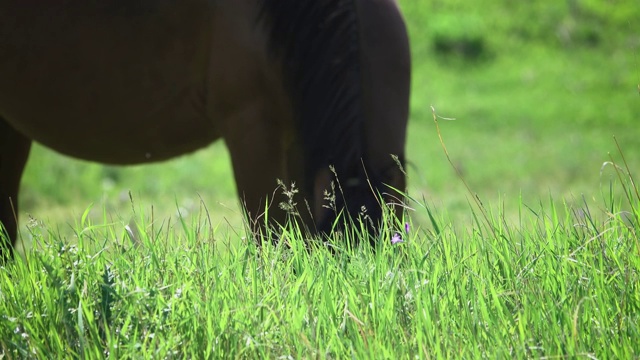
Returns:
point(371, 169)
point(346, 65)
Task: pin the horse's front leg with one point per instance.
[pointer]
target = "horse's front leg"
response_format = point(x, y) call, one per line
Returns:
point(260, 155)
point(14, 151)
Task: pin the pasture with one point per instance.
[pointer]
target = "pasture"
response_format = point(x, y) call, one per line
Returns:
point(549, 268)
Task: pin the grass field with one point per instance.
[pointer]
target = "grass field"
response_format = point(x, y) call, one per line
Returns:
point(537, 92)
point(558, 283)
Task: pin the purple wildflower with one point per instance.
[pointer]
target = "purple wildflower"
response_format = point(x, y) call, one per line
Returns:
point(397, 238)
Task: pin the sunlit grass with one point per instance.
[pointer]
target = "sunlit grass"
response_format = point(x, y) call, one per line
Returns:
point(561, 282)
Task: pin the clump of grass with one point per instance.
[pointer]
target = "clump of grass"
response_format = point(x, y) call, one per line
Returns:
point(562, 283)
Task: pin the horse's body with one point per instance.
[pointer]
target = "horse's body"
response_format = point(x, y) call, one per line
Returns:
point(292, 86)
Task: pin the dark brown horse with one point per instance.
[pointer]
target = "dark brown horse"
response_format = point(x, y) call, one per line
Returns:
point(292, 86)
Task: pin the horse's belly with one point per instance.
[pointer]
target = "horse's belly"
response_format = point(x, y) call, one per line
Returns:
point(111, 85)
point(119, 137)
point(141, 127)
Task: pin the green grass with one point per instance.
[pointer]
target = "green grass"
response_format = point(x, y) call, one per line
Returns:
point(563, 282)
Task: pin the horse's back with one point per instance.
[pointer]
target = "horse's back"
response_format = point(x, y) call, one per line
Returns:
point(111, 81)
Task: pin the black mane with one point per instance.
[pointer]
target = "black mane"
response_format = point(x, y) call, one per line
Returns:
point(317, 42)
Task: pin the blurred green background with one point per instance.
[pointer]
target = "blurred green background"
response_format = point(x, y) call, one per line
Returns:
point(538, 89)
